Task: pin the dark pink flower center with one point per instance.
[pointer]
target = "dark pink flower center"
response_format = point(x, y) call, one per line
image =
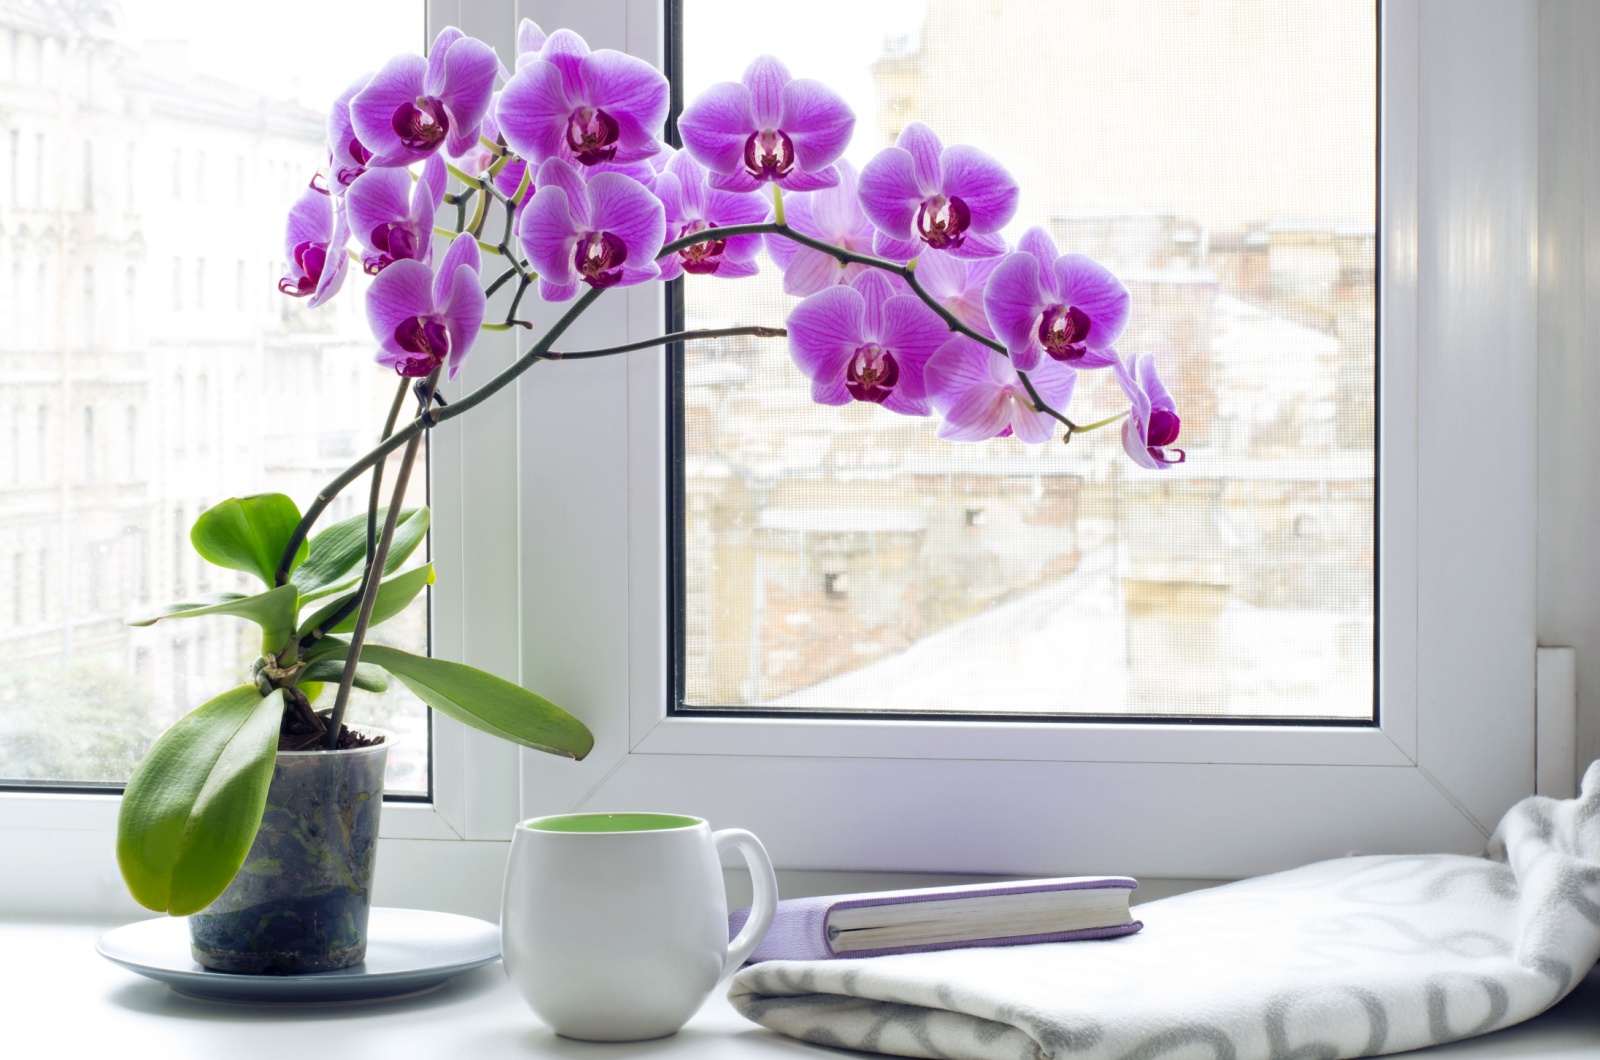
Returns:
point(702, 259)
point(942, 222)
point(768, 154)
point(592, 135)
point(428, 343)
point(421, 125)
point(309, 261)
point(1062, 332)
point(1163, 428)
point(346, 175)
point(599, 257)
point(871, 373)
point(393, 241)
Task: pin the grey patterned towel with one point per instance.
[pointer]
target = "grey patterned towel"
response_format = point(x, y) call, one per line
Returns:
point(1347, 958)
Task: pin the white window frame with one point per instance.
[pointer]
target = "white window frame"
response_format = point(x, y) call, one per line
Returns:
point(447, 853)
point(1454, 747)
point(565, 485)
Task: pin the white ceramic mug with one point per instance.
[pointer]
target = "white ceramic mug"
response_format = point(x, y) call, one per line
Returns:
point(614, 926)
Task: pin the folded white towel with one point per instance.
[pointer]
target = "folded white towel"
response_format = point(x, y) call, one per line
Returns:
point(1355, 957)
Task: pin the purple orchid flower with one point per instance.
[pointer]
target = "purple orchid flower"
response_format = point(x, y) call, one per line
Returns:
point(832, 215)
point(423, 320)
point(980, 396)
point(865, 342)
point(769, 128)
point(530, 42)
point(1066, 305)
point(921, 194)
point(605, 233)
point(582, 106)
point(958, 285)
point(347, 155)
point(314, 242)
point(414, 106)
point(387, 227)
point(693, 207)
point(1152, 424)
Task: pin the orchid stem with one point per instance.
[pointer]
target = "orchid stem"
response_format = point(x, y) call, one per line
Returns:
point(755, 330)
point(777, 204)
point(1097, 424)
point(374, 495)
point(374, 577)
point(487, 248)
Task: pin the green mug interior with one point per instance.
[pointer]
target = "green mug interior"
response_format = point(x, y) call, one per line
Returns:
point(611, 822)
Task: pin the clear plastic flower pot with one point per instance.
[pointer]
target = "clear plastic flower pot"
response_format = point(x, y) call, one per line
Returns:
point(300, 902)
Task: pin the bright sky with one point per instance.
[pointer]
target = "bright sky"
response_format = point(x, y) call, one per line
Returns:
point(252, 45)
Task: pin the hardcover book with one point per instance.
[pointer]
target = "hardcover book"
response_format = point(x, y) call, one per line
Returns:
point(944, 918)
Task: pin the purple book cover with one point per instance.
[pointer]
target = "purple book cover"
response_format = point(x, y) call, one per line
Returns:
point(800, 927)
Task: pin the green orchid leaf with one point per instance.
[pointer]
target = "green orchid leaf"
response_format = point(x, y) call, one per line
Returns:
point(326, 647)
point(393, 596)
point(368, 678)
point(273, 611)
point(248, 534)
point(486, 702)
point(192, 807)
point(339, 552)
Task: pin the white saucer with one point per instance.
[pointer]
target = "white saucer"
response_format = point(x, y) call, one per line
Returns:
point(408, 951)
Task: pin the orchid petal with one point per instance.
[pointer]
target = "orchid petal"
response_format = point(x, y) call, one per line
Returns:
point(463, 311)
point(765, 78)
point(830, 390)
point(629, 89)
point(885, 246)
point(889, 192)
point(1134, 445)
point(835, 211)
point(824, 330)
point(715, 126)
point(736, 270)
point(398, 293)
point(466, 87)
point(377, 197)
point(337, 264)
point(986, 186)
point(559, 173)
point(463, 251)
point(549, 236)
point(635, 274)
point(922, 144)
point(558, 292)
point(372, 109)
point(1037, 241)
point(1012, 300)
point(533, 112)
point(1088, 285)
point(910, 327)
point(1055, 382)
point(980, 246)
point(810, 271)
point(530, 41)
point(669, 189)
point(340, 131)
point(626, 209)
point(976, 416)
point(689, 183)
point(433, 179)
point(1151, 383)
point(799, 180)
point(434, 78)
point(565, 50)
point(739, 182)
point(874, 289)
point(1029, 426)
point(818, 121)
point(310, 221)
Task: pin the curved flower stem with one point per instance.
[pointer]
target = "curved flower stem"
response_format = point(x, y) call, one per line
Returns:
point(486, 247)
point(1097, 424)
point(755, 330)
point(429, 418)
point(373, 496)
point(501, 281)
point(907, 272)
point(374, 574)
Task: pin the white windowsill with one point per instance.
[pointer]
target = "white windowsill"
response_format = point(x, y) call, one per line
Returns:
point(69, 1002)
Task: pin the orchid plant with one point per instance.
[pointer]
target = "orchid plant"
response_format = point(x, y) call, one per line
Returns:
point(910, 298)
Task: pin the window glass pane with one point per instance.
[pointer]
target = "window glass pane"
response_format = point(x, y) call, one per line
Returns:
point(136, 389)
point(1221, 159)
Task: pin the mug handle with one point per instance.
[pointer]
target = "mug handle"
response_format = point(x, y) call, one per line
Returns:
point(764, 883)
